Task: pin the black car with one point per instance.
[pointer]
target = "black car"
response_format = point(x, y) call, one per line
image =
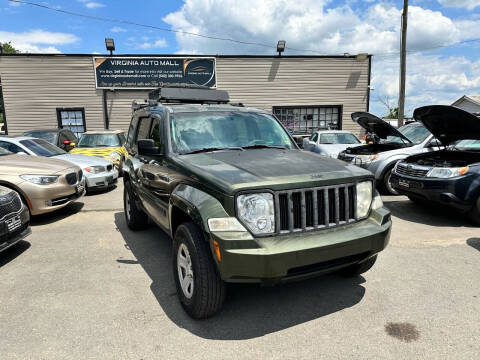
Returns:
point(63, 138)
point(14, 218)
point(450, 176)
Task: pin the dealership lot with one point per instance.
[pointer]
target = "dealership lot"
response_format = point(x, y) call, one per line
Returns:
point(84, 286)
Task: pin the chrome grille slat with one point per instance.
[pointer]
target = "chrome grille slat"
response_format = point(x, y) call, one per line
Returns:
point(314, 208)
point(411, 171)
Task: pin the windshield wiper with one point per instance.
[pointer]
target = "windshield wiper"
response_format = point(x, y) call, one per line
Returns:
point(209, 149)
point(264, 146)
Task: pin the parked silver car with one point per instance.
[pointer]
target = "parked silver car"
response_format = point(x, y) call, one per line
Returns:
point(393, 145)
point(99, 173)
point(330, 142)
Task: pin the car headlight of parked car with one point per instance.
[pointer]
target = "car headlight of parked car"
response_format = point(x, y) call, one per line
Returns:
point(40, 179)
point(114, 156)
point(377, 202)
point(444, 173)
point(364, 198)
point(257, 212)
point(366, 159)
point(95, 169)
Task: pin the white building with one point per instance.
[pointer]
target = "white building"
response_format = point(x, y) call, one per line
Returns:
point(470, 103)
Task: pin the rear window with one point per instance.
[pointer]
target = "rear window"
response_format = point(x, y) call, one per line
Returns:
point(50, 136)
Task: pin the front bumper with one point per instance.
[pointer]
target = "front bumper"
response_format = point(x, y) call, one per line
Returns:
point(289, 257)
point(102, 180)
point(8, 237)
point(451, 192)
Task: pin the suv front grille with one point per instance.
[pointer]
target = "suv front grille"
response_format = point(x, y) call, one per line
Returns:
point(71, 178)
point(315, 208)
point(10, 204)
point(403, 169)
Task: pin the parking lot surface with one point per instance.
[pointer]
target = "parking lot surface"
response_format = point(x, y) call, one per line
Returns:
point(83, 286)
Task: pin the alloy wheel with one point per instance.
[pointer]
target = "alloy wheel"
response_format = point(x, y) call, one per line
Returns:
point(185, 271)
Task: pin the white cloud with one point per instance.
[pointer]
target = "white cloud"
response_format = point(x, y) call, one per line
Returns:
point(159, 43)
point(468, 4)
point(91, 4)
point(117, 29)
point(37, 41)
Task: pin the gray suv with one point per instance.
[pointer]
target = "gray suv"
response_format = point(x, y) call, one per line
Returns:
point(391, 146)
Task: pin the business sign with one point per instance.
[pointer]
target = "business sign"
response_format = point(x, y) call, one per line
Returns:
point(151, 72)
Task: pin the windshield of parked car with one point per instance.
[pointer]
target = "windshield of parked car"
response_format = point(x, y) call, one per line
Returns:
point(468, 145)
point(219, 130)
point(415, 133)
point(5, 152)
point(338, 138)
point(42, 148)
point(99, 140)
point(50, 136)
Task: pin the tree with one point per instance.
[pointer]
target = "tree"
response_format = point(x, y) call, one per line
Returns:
point(392, 111)
point(8, 48)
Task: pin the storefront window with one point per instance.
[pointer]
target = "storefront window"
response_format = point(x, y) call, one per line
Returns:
point(306, 119)
point(72, 119)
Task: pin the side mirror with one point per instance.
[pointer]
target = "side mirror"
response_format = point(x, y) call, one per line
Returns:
point(21, 153)
point(434, 143)
point(147, 147)
point(72, 144)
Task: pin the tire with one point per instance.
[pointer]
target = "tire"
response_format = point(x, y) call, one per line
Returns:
point(387, 186)
point(136, 219)
point(203, 292)
point(474, 213)
point(360, 268)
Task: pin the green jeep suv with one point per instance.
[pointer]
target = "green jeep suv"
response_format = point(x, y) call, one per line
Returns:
point(240, 200)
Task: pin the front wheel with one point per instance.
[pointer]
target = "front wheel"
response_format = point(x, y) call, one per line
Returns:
point(474, 213)
point(200, 289)
point(387, 183)
point(360, 268)
point(136, 219)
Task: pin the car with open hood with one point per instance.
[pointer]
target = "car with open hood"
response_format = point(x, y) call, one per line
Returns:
point(393, 145)
point(99, 173)
point(14, 218)
point(330, 142)
point(44, 184)
point(450, 176)
point(240, 200)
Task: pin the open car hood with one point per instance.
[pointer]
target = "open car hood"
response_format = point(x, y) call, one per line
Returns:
point(448, 123)
point(377, 126)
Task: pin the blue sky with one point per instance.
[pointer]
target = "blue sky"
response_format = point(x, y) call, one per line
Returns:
point(443, 61)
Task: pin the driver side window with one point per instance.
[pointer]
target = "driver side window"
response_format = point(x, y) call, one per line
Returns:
point(11, 147)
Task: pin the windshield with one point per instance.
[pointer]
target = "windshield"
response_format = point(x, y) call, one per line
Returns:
point(416, 133)
point(4, 152)
point(99, 140)
point(468, 145)
point(42, 148)
point(338, 138)
point(49, 136)
point(196, 131)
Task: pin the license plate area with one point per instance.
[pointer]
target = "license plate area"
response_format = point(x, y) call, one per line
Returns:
point(404, 183)
point(14, 223)
point(79, 188)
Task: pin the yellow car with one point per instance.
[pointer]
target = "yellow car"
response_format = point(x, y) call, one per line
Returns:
point(108, 144)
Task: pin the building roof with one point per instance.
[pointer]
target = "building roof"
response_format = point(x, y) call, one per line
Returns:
point(472, 98)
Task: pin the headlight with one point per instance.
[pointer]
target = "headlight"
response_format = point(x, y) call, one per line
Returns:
point(377, 202)
point(364, 198)
point(257, 212)
point(40, 179)
point(95, 169)
point(225, 224)
point(444, 173)
point(114, 156)
point(366, 159)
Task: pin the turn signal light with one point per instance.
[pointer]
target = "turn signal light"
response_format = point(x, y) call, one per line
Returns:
point(463, 170)
point(217, 250)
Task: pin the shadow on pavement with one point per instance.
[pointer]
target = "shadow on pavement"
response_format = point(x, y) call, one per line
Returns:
point(13, 252)
point(433, 215)
point(474, 242)
point(249, 311)
point(60, 214)
point(100, 192)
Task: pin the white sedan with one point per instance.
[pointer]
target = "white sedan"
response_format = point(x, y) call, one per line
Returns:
point(330, 142)
point(99, 173)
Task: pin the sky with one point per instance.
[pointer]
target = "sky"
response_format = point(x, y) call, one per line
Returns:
point(443, 40)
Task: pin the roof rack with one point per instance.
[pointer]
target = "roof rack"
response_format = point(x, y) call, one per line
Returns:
point(189, 94)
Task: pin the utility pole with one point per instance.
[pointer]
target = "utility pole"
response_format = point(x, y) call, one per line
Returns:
point(403, 65)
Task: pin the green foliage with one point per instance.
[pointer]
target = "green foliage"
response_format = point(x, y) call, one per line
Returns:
point(9, 49)
point(392, 113)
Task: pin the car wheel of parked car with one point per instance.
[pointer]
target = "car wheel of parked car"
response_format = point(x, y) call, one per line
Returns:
point(357, 269)
point(136, 218)
point(474, 213)
point(199, 287)
point(387, 185)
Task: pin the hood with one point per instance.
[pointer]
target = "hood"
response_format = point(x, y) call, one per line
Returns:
point(377, 126)
point(448, 123)
point(83, 160)
point(25, 164)
point(96, 151)
point(268, 169)
point(333, 149)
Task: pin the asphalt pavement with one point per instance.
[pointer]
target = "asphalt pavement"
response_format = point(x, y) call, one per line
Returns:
point(83, 286)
